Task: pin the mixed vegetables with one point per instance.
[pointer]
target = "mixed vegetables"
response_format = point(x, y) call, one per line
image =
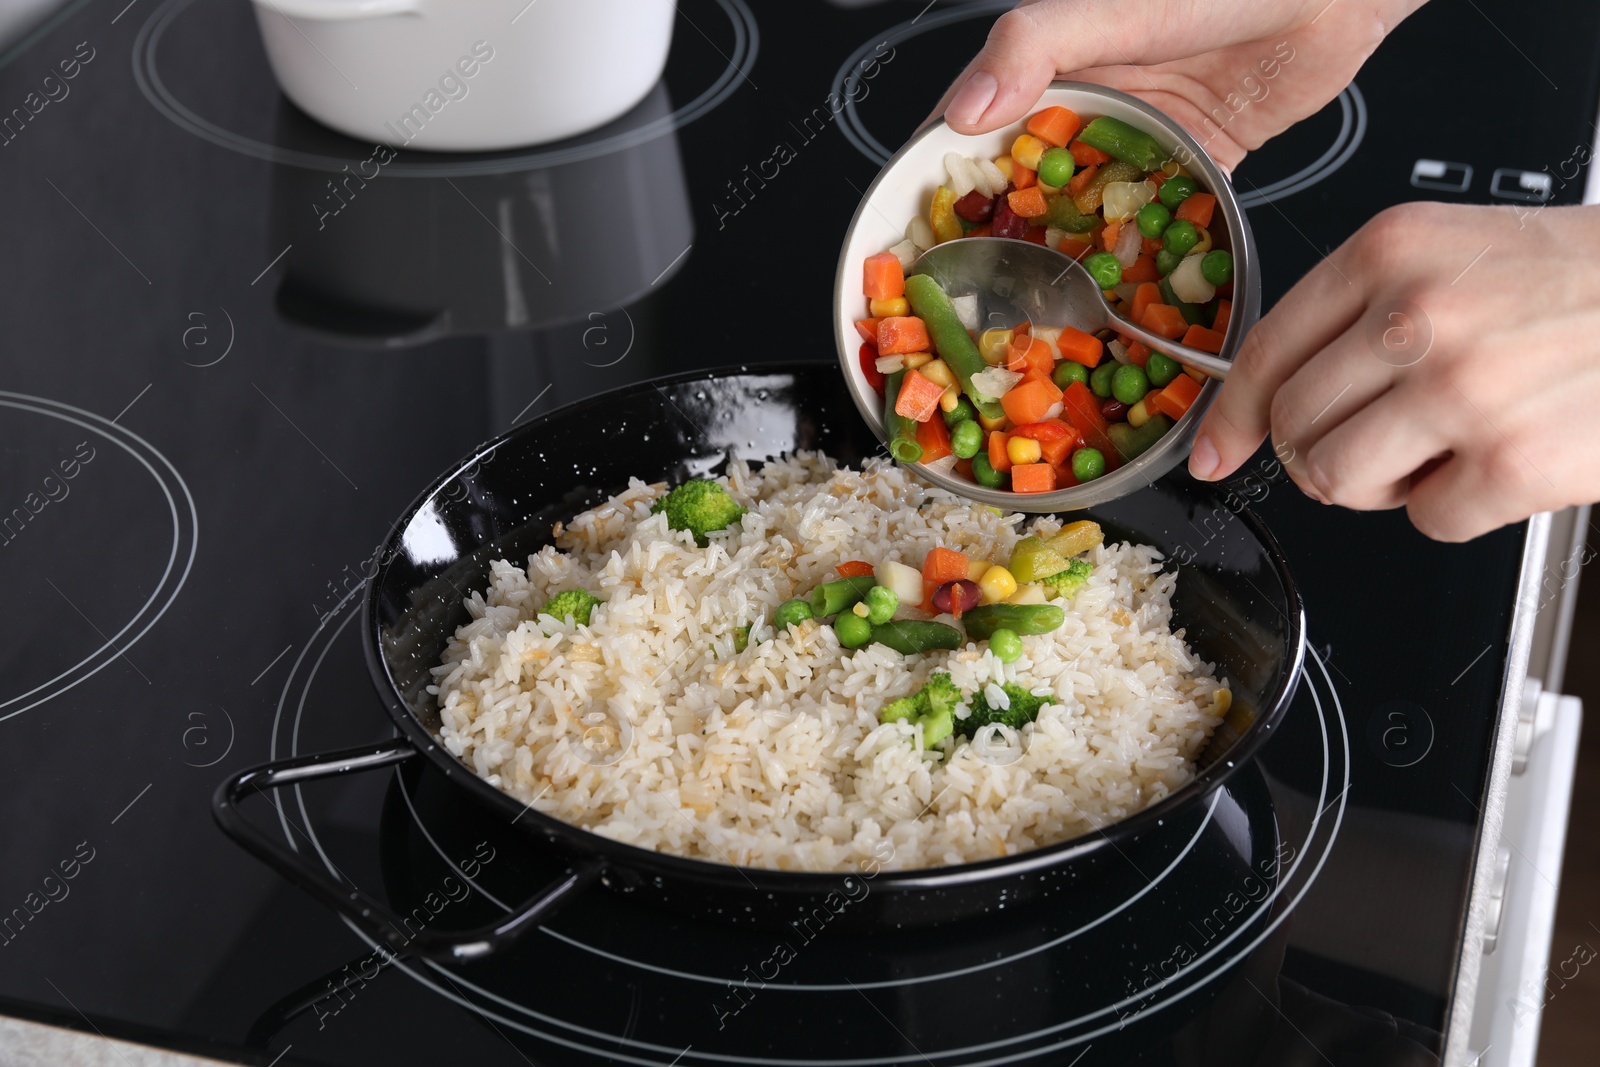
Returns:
point(1036, 408)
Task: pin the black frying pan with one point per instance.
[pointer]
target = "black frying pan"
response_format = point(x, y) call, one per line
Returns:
point(1235, 600)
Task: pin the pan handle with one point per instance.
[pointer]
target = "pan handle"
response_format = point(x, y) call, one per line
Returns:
point(372, 917)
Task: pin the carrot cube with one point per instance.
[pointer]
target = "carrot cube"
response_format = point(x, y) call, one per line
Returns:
point(1075, 248)
point(1164, 319)
point(1027, 354)
point(1030, 401)
point(944, 565)
point(883, 278)
point(1084, 176)
point(1022, 177)
point(934, 437)
point(1205, 340)
point(919, 397)
point(1055, 125)
point(1029, 202)
point(1084, 156)
point(1138, 353)
point(1056, 439)
point(868, 329)
point(1143, 270)
point(999, 459)
point(1196, 208)
point(1224, 313)
point(1080, 347)
point(1148, 293)
point(900, 335)
point(1033, 478)
point(1177, 397)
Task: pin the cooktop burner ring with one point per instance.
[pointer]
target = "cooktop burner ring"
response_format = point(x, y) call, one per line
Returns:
point(1296, 880)
point(146, 72)
point(185, 532)
point(1352, 106)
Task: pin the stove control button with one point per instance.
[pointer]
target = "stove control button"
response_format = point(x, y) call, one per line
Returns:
point(1437, 174)
point(1497, 899)
point(1528, 186)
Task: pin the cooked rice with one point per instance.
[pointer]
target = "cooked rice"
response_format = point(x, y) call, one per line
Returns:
point(647, 728)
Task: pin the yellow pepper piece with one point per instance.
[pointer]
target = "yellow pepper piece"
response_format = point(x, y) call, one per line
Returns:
point(891, 308)
point(946, 226)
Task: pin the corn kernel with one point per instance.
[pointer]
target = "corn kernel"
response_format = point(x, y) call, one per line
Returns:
point(949, 400)
point(1138, 415)
point(883, 309)
point(1005, 165)
point(976, 568)
point(1197, 375)
point(1022, 450)
point(861, 609)
point(990, 425)
point(1049, 190)
point(1027, 149)
point(996, 585)
point(1203, 245)
point(992, 345)
point(938, 372)
point(917, 360)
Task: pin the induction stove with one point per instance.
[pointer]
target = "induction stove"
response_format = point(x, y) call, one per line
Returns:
point(234, 356)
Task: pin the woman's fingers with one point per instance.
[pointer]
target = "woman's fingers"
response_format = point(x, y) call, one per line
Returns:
point(1016, 65)
point(1473, 493)
point(1366, 460)
point(1315, 312)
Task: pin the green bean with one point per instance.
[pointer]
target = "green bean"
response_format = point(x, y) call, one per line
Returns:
point(1130, 442)
point(951, 339)
point(830, 598)
point(900, 431)
point(908, 636)
point(1122, 141)
point(982, 622)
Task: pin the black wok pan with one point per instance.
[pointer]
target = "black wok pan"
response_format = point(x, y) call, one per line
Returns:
point(1235, 599)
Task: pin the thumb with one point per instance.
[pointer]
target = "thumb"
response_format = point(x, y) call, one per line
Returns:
point(1005, 79)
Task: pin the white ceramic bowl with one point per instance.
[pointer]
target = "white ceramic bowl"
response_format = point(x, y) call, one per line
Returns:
point(465, 75)
point(905, 188)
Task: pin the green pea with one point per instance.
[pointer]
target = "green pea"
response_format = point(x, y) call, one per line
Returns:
point(984, 474)
point(882, 602)
point(1100, 380)
point(1129, 384)
point(963, 412)
point(1217, 267)
point(1161, 369)
point(791, 612)
point(1175, 191)
point(853, 630)
point(1006, 645)
point(1167, 262)
point(1056, 167)
point(1104, 269)
point(1153, 219)
point(1088, 464)
point(1180, 237)
point(966, 439)
point(1067, 372)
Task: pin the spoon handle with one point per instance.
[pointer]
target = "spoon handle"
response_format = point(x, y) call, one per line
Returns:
point(1214, 365)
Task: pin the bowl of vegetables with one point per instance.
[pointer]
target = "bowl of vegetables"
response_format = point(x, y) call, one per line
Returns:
point(1032, 415)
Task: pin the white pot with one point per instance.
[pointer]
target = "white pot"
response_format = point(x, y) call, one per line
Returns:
point(463, 75)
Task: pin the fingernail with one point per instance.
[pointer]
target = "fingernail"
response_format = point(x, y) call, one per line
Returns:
point(972, 100)
point(1203, 459)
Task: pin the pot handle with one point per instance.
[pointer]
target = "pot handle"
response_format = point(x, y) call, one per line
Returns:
point(373, 918)
point(340, 10)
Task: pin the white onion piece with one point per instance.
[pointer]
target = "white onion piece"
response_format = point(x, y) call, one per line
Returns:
point(945, 464)
point(1188, 284)
point(1119, 351)
point(890, 364)
point(1053, 237)
point(906, 252)
point(920, 232)
point(1048, 334)
point(1054, 410)
point(1128, 244)
point(1126, 290)
point(966, 310)
point(995, 176)
point(955, 165)
point(995, 381)
point(1124, 199)
point(903, 581)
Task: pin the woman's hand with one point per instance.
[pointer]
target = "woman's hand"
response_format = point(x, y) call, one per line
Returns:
point(1234, 72)
point(1445, 358)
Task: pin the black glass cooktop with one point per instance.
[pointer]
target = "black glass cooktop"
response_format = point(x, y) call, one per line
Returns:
point(228, 366)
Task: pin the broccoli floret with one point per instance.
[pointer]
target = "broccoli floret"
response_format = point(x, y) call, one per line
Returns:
point(700, 506)
point(1024, 706)
point(1065, 583)
point(934, 706)
point(575, 602)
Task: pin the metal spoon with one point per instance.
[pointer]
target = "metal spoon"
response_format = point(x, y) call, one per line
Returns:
point(1017, 281)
